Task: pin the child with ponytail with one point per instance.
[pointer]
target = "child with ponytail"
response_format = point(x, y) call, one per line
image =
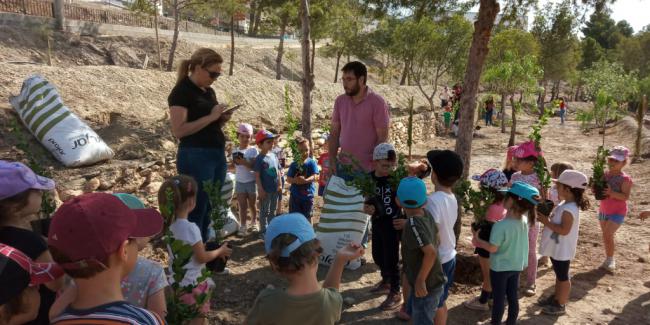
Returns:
point(183, 191)
point(560, 236)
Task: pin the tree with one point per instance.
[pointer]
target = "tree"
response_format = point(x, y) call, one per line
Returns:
point(514, 74)
point(513, 42)
point(611, 79)
point(286, 11)
point(436, 48)
point(150, 7)
point(308, 77)
point(177, 7)
point(231, 8)
point(634, 53)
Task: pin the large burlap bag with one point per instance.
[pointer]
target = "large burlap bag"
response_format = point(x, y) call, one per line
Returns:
point(67, 137)
point(342, 220)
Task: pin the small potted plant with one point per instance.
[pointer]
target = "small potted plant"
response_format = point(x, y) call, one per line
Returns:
point(541, 169)
point(598, 182)
point(218, 214)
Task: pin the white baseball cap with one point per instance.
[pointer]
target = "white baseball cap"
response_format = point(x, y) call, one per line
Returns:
point(382, 151)
point(573, 178)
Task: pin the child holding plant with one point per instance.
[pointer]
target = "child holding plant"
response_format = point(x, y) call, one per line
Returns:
point(508, 247)
point(526, 155)
point(21, 194)
point(491, 181)
point(293, 252)
point(245, 187)
point(268, 177)
point(184, 189)
point(302, 175)
point(613, 208)
point(560, 236)
point(385, 236)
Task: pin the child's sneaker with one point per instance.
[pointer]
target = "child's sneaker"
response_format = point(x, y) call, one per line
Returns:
point(225, 271)
point(609, 265)
point(475, 304)
point(554, 309)
point(402, 314)
point(381, 288)
point(393, 300)
point(530, 291)
point(254, 228)
point(546, 301)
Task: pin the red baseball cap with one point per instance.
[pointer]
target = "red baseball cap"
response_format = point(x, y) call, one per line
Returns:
point(90, 227)
point(263, 135)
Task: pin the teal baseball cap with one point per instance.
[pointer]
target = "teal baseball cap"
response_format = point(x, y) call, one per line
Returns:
point(130, 200)
point(524, 191)
point(291, 223)
point(412, 192)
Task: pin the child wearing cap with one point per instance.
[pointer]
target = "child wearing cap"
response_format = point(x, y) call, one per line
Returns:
point(143, 287)
point(385, 236)
point(302, 189)
point(613, 208)
point(245, 186)
point(21, 193)
point(267, 175)
point(508, 247)
point(20, 278)
point(183, 200)
point(420, 258)
point(526, 156)
point(293, 252)
point(493, 181)
point(560, 236)
point(93, 238)
point(279, 153)
point(324, 163)
point(447, 168)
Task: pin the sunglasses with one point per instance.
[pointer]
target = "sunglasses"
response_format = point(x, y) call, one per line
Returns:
point(213, 74)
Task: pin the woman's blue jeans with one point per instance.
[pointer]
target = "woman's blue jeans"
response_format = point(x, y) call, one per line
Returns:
point(204, 165)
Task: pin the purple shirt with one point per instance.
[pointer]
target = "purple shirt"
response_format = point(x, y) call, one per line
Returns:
point(359, 123)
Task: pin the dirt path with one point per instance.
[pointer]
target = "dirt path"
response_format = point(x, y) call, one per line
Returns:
point(597, 297)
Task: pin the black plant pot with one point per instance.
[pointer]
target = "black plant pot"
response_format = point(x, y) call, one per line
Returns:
point(218, 264)
point(599, 192)
point(41, 226)
point(545, 207)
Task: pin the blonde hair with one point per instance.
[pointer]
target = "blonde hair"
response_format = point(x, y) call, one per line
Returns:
point(558, 168)
point(203, 57)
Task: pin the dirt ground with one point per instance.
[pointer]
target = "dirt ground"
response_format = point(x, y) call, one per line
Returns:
point(127, 106)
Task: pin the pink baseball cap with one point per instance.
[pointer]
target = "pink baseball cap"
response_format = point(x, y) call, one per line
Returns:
point(16, 178)
point(90, 227)
point(619, 153)
point(526, 149)
point(245, 128)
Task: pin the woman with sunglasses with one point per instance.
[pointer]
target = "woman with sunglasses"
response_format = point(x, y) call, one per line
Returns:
point(197, 120)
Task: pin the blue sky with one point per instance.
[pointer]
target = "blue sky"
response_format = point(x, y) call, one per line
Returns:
point(636, 12)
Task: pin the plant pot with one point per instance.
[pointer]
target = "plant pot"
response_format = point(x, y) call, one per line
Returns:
point(545, 207)
point(41, 226)
point(218, 264)
point(599, 192)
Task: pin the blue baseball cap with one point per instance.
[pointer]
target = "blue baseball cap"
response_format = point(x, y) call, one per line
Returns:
point(291, 223)
point(412, 192)
point(524, 191)
point(130, 200)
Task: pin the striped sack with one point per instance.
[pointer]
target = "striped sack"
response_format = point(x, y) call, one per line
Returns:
point(342, 220)
point(67, 137)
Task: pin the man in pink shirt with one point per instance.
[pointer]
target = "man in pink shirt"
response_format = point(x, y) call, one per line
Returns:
point(360, 120)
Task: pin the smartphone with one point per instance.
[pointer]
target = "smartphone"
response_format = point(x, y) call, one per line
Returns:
point(232, 109)
point(236, 155)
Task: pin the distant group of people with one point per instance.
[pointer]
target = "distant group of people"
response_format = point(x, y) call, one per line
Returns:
point(95, 238)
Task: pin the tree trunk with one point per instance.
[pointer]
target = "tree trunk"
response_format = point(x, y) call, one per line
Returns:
point(278, 60)
point(258, 17)
point(313, 54)
point(155, 26)
point(503, 113)
point(542, 98)
point(177, 19)
point(555, 91)
point(232, 45)
point(338, 62)
point(576, 97)
point(251, 17)
point(513, 128)
point(405, 73)
point(478, 51)
point(308, 77)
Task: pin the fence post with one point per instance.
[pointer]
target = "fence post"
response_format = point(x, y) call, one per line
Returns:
point(57, 11)
point(24, 8)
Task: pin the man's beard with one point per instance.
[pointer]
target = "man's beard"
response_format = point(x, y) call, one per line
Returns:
point(354, 91)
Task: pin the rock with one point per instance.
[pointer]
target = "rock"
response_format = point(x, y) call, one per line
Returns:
point(152, 188)
point(105, 185)
point(641, 259)
point(124, 56)
point(65, 195)
point(145, 172)
point(349, 301)
point(609, 289)
point(168, 145)
point(92, 185)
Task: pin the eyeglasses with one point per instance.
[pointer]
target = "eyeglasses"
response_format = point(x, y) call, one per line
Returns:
point(214, 74)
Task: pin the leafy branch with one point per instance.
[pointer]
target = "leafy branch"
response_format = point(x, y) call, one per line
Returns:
point(292, 126)
point(476, 201)
point(598, 168)
point(541, 168)
point(360, 180)
point(219, 201)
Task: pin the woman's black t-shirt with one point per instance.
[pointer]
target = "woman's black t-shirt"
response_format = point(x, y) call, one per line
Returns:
point(199, 103)
point(33, 246)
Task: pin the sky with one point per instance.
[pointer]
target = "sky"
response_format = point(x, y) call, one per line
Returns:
point(636, 12)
